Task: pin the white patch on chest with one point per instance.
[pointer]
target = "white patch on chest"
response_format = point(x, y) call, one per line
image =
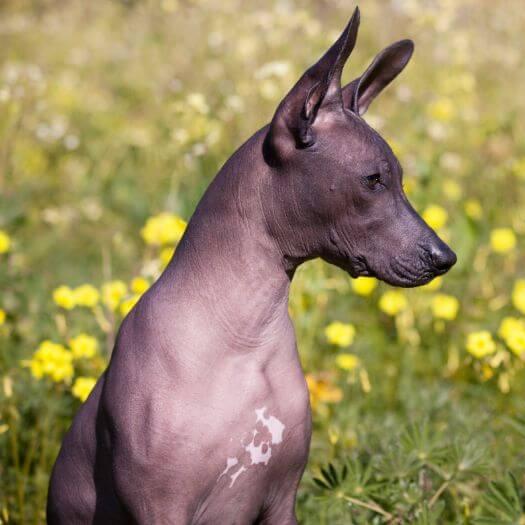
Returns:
point(230, 463)
point(234, 477)
point(274, 426)
point(261, 452)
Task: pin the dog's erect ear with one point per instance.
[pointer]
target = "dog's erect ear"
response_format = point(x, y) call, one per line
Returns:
point(358, 95)
point(317, 90)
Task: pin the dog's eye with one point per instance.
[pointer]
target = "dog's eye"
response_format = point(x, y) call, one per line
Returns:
point(372, 181)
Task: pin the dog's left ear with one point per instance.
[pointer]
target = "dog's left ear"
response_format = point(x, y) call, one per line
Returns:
point(358, 95)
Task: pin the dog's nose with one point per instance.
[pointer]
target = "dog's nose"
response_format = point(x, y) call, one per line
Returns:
point(443, 258)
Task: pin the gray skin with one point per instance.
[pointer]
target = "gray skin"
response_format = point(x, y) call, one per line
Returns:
point(203, 414)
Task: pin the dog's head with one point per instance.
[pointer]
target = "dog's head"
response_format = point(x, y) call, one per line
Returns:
point(336, 184)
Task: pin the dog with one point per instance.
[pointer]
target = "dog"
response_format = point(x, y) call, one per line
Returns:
point(203, 415)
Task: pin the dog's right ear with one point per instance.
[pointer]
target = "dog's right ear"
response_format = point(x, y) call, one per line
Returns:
point(319, 89)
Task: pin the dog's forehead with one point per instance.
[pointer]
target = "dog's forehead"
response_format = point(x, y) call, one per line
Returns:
point(361, 143)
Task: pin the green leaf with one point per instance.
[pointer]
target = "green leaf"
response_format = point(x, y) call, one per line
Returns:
point(320, 483)
point(504, 502)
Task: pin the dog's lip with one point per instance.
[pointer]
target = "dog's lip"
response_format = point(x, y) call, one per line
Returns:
point(366, 273)
point(358, 267)
point(413, 282)
point(394, 279)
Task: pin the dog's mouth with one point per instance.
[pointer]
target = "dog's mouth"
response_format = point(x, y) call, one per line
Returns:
point(358, 267)
point(397, 273)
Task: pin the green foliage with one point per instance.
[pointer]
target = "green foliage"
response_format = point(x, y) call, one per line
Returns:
point(408, 479)
point(504, 503)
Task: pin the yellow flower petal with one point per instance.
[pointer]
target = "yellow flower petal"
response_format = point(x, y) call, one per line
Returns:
point(347, 362)
point(128, 304)
point(480, 344)
point(139, 285)
point(340, 334)
point(83, 387)
point(502, 240)
point(393, 302)
point(5, 242)
point(518, 295)
point(445, 307)
point(435, 216)
point(164, 228)
point(83, 346)
point(364, 286)
point(86, 295)
point(113, 292)
point(64, 297)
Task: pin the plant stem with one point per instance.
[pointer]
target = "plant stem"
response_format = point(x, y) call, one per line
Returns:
point(438, 493)
point(370, 506)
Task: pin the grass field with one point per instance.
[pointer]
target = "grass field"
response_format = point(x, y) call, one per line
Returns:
point(115, 116)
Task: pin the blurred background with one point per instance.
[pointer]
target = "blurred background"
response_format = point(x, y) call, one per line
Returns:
point(115, 116)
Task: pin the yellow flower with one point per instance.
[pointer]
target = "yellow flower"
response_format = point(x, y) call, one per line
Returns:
point(434, 285)
point(83, 387)
point(473, 209)
point(502, 240)
point(64, 297)
point(364, 285)
point(165, 255)
point(164, 228)
point(441, 109)
point(435, 216)
point(83, 346)
point(321, 391)
point(512, 331)
point(2, 316)
point(393, 302)
point(347, 361)
point(37, 370)
point(509, 325)
point(445, 306)
point(86, 295)
point(113, 292)
point(480, 344)
point(486, 372)
point(139, 285)
point(518, 295)
point(452, 189)
point(52, 360)
point(5, 242)
point(128, 304)
point(340, 334)
point(515, 340)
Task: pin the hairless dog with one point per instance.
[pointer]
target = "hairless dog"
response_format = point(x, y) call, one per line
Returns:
point(203, 414)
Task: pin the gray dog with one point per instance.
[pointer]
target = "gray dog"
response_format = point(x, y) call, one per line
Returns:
point(203, 416)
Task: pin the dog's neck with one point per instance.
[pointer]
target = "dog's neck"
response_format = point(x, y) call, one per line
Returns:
point(230, 264)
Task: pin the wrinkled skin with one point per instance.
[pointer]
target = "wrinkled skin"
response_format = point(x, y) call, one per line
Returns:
point(203, 415)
